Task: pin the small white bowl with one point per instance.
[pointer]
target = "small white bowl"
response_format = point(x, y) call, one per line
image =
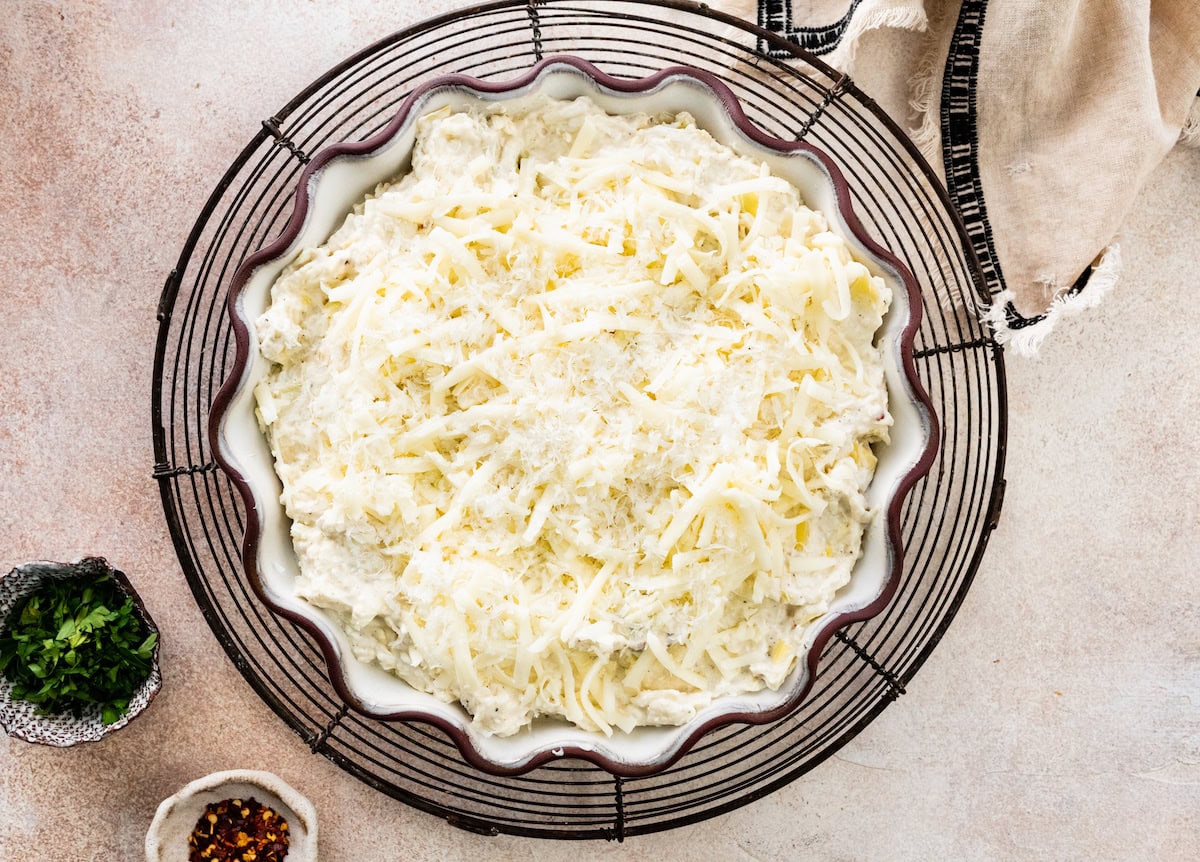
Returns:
point(167, 838)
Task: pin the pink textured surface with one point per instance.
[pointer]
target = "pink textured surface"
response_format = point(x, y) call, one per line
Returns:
point(1057, 720)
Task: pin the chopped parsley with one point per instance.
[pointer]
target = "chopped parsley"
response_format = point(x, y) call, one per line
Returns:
point(76, 645)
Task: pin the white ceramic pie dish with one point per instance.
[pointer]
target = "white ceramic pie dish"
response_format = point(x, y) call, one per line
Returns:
point(339, 177)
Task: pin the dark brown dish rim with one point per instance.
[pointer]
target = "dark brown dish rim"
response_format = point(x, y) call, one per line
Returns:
point(729, 101)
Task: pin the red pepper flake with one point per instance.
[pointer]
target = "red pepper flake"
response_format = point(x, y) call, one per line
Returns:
point(234, 830)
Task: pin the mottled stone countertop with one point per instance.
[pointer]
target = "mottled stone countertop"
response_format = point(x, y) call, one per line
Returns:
point(1058, 719)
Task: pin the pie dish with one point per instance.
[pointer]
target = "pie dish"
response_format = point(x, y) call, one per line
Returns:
point(340, 176)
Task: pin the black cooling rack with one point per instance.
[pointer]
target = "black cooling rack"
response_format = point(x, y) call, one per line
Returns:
point(947, 521)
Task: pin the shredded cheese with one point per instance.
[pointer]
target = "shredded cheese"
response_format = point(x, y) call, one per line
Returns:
point(575, 418)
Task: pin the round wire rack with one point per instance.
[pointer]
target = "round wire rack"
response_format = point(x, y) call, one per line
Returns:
point(947, 519)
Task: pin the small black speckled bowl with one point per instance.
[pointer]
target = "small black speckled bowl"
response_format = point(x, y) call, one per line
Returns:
point(19, 718)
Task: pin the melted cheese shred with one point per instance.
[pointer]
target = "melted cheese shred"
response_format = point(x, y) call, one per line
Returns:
point(575, 418)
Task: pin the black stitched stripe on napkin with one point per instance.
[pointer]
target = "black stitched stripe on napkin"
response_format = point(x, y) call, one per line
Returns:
point(776, 16)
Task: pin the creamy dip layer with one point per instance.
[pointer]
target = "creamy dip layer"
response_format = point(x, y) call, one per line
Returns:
point(575, 418)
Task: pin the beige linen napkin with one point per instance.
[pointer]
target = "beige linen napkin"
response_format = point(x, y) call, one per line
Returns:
point(1044, 117)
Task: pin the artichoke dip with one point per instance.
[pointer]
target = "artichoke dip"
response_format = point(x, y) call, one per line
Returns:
point(575, 418)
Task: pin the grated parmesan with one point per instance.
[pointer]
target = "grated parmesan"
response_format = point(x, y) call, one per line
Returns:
point(574, 419)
